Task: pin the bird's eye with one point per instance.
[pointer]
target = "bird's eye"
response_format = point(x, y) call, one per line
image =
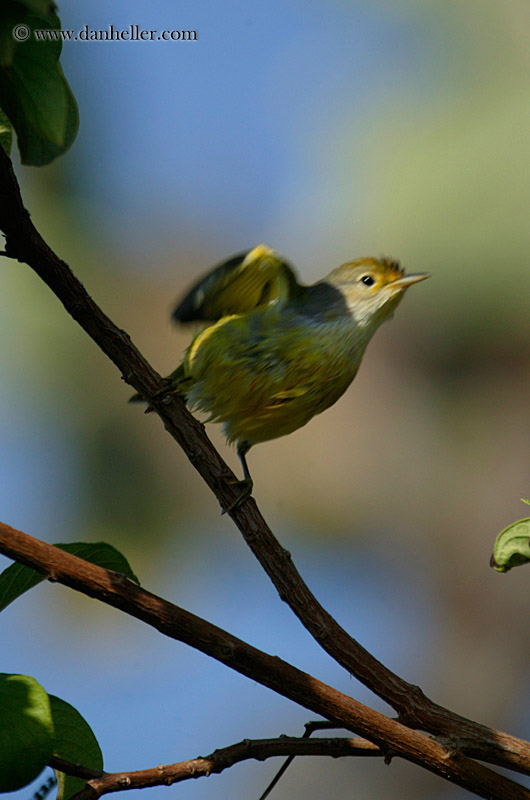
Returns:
point(367, 280)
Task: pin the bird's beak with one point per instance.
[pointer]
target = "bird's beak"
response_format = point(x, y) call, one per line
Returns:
point(407, 280)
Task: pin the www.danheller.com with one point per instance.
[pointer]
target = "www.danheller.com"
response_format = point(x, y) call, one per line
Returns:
point(134, 33)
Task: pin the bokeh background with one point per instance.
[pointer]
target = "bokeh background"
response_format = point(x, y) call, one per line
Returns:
point(328, 130)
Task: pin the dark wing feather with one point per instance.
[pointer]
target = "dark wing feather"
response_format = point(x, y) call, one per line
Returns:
point(238, 285)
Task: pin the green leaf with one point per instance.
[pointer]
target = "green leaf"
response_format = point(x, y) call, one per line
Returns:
point(75, 742)
point(17, 579)
point(6, 132)
point(33, 90)
point(102, 554)
point(26, 731)
point(512, 546)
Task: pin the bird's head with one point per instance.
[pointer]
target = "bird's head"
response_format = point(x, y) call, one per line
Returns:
point(372, 288)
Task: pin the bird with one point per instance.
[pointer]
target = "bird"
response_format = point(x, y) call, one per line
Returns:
point(273, 352)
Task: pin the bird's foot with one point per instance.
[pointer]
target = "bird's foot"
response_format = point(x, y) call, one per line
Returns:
point(246, 486)
point(168, 386)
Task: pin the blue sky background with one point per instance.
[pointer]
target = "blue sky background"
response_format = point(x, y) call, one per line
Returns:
point(327, 130)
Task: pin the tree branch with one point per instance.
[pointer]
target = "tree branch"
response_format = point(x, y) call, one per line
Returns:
point(165, 775)
point(24, 243)
point(393, 738)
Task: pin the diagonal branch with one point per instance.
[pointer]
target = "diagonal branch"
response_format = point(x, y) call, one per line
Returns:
point(393, 738)
point(24, 243)
point(99, 783)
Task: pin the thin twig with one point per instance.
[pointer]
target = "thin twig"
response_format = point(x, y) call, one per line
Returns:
point(75, 770)
point(310, 727)
point(216, 762)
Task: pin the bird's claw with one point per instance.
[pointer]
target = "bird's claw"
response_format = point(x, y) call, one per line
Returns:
point(246, 486)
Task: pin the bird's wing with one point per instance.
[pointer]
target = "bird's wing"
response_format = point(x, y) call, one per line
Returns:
point(241, 284)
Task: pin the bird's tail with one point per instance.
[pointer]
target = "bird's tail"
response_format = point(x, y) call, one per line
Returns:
point(173, 384)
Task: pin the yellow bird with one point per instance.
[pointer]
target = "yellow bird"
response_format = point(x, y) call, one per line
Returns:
point(279, 352)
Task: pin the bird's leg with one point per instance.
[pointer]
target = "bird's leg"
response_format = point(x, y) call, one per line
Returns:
point(242, 450)
point(247, 483)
